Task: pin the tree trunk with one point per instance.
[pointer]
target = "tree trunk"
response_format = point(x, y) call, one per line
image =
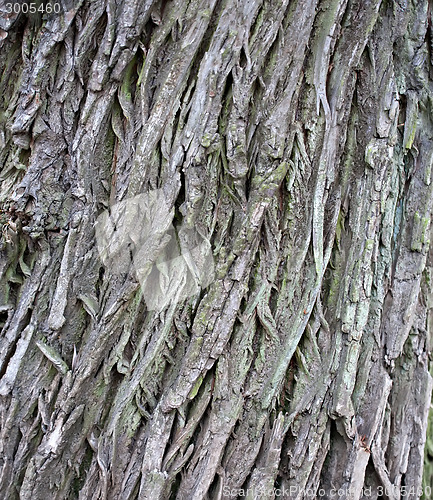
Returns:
point(215, 259)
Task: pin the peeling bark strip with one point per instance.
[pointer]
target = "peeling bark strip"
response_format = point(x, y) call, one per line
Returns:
point(296, 138)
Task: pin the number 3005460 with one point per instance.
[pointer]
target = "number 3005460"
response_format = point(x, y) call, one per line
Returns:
point(33, 8)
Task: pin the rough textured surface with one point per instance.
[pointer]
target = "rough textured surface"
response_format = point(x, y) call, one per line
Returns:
point(297, 137)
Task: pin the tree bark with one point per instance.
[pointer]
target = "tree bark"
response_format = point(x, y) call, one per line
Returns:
point(294, 140)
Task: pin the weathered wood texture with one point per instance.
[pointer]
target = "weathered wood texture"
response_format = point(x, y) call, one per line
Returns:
point(297, 137)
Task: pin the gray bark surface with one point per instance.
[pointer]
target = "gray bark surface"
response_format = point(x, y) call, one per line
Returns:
point(297, 138)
